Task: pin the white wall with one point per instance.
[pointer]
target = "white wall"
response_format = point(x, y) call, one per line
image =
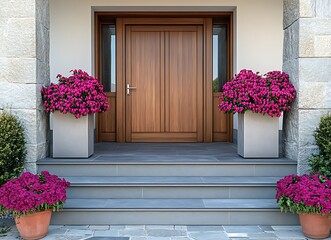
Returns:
point(258, 30)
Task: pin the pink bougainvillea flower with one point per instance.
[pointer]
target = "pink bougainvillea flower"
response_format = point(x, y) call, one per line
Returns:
point(32, 193)
point(79, 94)
point(304, 194)
point(270, 94)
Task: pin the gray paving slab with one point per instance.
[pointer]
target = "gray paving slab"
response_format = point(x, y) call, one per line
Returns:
point(107, 233)
point(208, 236)
point(109, 238)
point(204, 228)
point(242, 229)
point(169, 232)
point(165, 233)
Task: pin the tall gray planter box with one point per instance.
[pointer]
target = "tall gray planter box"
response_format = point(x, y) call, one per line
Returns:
point(258, 135)
point(72, 138)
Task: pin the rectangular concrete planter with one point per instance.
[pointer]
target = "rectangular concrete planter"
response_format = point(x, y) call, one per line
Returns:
point(72, 138)
point(258, 135)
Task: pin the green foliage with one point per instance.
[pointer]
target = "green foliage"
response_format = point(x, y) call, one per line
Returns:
point(12, 147)
point(287, 204)
point(322, 136)
point(321, 163)
point(215, 85)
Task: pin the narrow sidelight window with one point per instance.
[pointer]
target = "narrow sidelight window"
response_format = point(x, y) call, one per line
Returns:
point(219, 57)
point(108, 58)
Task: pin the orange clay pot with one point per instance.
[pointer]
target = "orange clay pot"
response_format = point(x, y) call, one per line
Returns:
point(315, 226)
point(35, 225)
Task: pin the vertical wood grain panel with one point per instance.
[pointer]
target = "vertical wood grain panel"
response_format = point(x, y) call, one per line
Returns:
point(200, 85)
point(120, 81)
point(166, 82)
point(107, 125)
point(220, 118)
point(208, 77)
point(183, 81)
point(146, 77)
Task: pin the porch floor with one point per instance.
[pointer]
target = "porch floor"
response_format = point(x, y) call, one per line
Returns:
point(168, 152)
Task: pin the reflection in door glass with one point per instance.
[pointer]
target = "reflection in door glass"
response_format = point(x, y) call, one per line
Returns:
point(108, 56)
point(219, 57)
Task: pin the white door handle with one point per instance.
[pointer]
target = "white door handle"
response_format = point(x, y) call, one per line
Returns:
point(128, 89)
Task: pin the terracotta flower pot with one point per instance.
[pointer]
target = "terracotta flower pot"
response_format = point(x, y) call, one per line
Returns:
point(315, 225)
point(35, 225)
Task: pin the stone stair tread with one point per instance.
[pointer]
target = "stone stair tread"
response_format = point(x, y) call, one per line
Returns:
point(172, 181)
point(171, 204)
point(163, 160)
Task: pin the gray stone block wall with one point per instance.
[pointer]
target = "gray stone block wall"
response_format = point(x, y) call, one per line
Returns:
point(24, 68)
point(307, 58)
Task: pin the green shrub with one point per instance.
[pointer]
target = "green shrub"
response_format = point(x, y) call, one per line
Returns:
point(12, 147)
point(322, 162)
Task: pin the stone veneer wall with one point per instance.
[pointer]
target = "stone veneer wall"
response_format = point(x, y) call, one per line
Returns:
point(307, 58)
point(24, 68)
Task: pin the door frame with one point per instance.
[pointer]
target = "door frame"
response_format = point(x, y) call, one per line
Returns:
point(121, 19)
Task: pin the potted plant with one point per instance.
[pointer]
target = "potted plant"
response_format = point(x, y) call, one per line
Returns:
point(310, 197)
point(260, 101)
point(81, 95)
point(31, 198)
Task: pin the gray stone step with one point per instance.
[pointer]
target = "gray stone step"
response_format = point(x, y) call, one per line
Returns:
point(172, 166)
point(175, 187)
point(173, 211)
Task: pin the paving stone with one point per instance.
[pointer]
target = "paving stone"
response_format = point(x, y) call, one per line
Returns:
point(99, 227)
point(83, 227)
point(237, 235)
point(286, 228)
point(79, 232)
point(266, 228)
point(181, 228)
point(208, 236)
point(57, 230)
point(109, 238)
point(158, 238)
point(204, 228)
point(132, 232)
point(117, 227)
point(165, 232)
point(107, 233)
point(289, 234)
point(135, 227)
point(241, 229)
point(170, 227)
point(181, 238)
point(263, 235)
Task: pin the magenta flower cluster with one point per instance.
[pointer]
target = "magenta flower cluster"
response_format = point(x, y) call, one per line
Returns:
point(304, 194)
point(269, 94)
point(33, 193)
point(79, 94)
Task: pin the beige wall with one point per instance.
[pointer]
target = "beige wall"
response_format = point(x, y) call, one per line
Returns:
point(258, 30)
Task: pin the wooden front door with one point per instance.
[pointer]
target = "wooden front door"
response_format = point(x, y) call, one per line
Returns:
point(164, 83)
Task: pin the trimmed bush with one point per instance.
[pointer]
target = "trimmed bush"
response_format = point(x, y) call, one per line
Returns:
point(322, 162)
point(12, 147)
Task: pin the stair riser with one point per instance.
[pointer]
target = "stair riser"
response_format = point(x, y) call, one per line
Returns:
point(175, 218)
point(172, 192)
point(169, 170)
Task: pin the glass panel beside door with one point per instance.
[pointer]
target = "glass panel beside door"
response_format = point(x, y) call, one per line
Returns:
point(109, 58)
